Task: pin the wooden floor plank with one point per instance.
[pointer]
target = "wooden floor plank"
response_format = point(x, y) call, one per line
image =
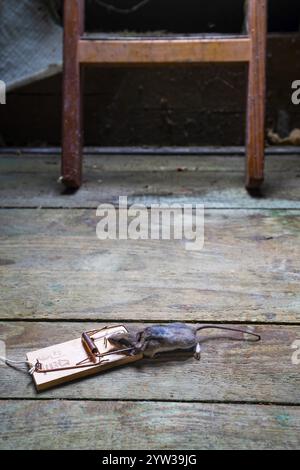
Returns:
point(127, 425)
point(135, 163)
point(229, 371)
point(52, 266)
point(218, 182)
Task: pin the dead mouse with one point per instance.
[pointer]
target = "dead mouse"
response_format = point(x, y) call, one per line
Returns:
point(170, 337)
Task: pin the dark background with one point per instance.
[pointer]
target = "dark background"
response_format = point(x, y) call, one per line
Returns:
point(189, 16)
point(203, 105)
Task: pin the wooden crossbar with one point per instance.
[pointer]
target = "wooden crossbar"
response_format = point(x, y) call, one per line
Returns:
point(80, 51)
point(163, 51)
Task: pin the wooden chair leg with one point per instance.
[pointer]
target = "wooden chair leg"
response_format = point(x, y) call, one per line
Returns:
point(72, 95)
point(255, 144)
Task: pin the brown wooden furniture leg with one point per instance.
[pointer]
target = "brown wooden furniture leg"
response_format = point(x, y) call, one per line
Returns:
point(255, 144)
point(72, 94)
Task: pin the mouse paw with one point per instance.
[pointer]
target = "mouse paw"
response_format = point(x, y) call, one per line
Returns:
point(197, 354)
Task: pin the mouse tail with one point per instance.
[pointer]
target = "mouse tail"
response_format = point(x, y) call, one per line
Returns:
point(227, 328)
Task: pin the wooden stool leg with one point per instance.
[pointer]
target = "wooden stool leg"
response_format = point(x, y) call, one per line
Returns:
point(72, 95)
point(255, 145)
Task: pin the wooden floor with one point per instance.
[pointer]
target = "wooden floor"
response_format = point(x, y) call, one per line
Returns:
point(57, 280)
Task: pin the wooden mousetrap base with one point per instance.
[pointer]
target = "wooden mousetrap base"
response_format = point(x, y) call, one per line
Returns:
point(71, 353)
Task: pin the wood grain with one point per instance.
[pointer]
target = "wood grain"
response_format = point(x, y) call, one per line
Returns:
point(67, 425)
point(72, 135)
point(214, 181)
point(248, 270)
point(134, 163)
point(60, 255)
point(229, 371)
point(55, 277)
point(257, 20)
point(163, 51)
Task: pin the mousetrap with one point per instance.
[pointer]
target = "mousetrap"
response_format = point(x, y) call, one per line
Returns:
point(88, 355)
